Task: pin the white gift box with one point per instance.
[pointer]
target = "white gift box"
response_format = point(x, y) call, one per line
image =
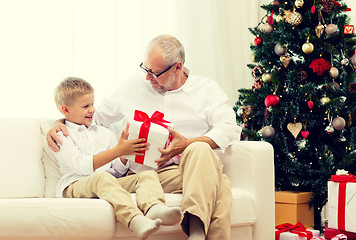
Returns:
point(158, 137)
point(294, 236)
point(350, 207)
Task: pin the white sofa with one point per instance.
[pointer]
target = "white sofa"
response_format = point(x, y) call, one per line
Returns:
point(29, 209)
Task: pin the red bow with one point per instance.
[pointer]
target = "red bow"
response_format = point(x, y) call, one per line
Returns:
point(343, 178)
point(157, 118)
point(296, 229)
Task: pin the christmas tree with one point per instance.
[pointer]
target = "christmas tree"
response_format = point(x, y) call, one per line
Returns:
point(303, 97)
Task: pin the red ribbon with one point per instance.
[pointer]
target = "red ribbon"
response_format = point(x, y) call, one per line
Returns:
point(341, 206)
point(296, 229)
point(157, 118)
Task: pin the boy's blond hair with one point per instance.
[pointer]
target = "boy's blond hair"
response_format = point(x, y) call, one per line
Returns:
point(69, 90)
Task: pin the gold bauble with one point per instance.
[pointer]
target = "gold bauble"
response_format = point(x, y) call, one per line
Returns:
point(308, 47)
point(324, 100)
point(295, 18)
point(299, 3)
point(279, 18)
point(319, 29)
point(266, 77)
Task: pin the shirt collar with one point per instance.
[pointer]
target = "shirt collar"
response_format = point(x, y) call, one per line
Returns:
point(77, 127)
point(187, 85)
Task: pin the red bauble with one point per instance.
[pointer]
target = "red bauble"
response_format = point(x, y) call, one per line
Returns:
point(271, 100)
point(258, 41)
point(310, 104)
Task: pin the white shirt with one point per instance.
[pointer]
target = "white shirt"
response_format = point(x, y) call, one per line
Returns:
point(198, 108)
point(75, 157)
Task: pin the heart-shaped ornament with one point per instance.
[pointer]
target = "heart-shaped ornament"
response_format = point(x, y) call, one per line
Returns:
point(305, 134)
point(295, 128)
point(285, 60)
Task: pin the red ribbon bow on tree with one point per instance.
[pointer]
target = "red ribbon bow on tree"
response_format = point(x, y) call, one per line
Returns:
point(157, 118)
point(296, 229)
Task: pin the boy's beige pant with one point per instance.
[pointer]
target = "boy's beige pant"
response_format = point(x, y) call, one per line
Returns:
point(117, 192)
point(206, 190)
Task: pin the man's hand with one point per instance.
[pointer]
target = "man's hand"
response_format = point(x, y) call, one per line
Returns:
point(52, 138)
point(176, 147)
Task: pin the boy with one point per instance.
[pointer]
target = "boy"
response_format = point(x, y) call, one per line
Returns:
point(87, 162)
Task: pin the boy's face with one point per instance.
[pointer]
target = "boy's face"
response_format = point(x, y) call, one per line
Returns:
point(81, 111)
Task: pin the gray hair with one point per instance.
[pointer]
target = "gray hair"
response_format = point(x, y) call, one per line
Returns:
point(172, 50)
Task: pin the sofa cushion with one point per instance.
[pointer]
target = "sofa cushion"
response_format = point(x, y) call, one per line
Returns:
point(21, 171)
point(54, 218)
point(50, 164)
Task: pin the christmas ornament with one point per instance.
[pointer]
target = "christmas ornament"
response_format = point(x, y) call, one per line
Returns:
point(244, 112)
point(268, 132)
point(335, 84)
point(279, 49)
point(299, 3)
point(353, 60)
point(270, 19)
point(305, 134)
point(258, 41)
point(349, 29)
point(324, 100)
point(303, 76)
point(257, 83)
point(334, 72)
point(339, 123)
point(279, 18)
point(319, 29)
point(313, 9)
point(308, 47)
point(331, 29)
point(327, 5)
point(271, 100)
point(320, 66)
point(295, 18)
point(266, 77)
point(285, 59)
point(352, 87)
point(266, 28)
point(330, 129)
point(310, 104)
point(295, 128)
point(253, 58)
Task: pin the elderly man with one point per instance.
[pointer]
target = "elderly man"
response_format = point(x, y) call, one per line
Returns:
point(203, 121)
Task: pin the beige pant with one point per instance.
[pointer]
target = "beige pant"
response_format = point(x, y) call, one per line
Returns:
point(206, 190)
point(117, 192)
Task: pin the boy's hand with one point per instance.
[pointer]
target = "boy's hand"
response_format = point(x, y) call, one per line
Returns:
point(133, 146)
point(52, 138)
point(176, 147)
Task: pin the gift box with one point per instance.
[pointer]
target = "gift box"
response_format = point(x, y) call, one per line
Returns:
point(154, 130)
point(342, 202)
point(288, 231)
point(293, 207)
point(330, 233)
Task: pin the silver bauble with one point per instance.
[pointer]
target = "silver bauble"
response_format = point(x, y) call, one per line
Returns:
point(339, 123)
point(268, 132)
point(334, 72)
point(331, 29)
point(353, 60)
point(279, 49)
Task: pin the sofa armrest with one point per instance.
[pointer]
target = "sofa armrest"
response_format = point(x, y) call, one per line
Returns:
point(250, 166)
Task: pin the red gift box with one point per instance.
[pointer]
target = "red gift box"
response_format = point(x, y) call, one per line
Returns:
point(330, 233)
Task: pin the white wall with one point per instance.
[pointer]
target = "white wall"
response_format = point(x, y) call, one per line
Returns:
point(44, 41)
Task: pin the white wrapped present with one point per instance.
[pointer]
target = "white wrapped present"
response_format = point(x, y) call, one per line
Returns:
point(154, 129)
point(342, 202)
point(289, 231)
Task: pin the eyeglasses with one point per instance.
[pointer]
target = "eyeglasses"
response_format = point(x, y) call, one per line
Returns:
point(154, 75)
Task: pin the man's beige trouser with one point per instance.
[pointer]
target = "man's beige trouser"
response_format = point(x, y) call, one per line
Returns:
point(117, 192)
point(206, 190)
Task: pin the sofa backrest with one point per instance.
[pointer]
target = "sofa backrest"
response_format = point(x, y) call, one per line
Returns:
point(21, 170)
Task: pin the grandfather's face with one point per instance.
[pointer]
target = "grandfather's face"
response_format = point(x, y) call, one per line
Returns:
point(165, 81)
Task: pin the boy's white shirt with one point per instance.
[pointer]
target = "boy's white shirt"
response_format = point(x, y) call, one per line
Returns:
point(75, 158)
